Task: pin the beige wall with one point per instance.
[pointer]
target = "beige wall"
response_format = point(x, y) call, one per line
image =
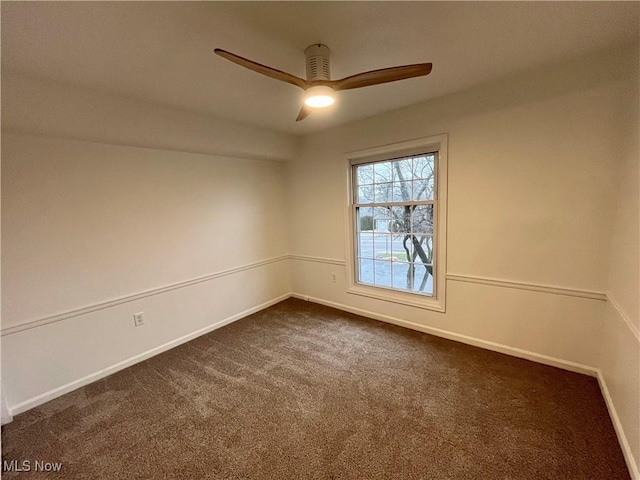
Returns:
point(85, 222)
point(31, 104)
point(620, 361)
point(105, 214)
point(534, 164)
point(624, 274)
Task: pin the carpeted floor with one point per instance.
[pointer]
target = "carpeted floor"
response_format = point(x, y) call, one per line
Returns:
point(301, 391)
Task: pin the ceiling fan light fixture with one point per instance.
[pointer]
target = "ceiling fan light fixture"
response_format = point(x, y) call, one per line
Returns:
point(319, 89)
point(320, 96)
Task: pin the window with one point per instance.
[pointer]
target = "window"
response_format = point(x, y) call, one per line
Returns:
point(394, 202)
point(397, 216)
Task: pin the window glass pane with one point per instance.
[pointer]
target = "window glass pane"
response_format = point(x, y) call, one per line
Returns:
point(365, 194)
point(364, 219)
point(400, 276)
point(383, 192)
point(424, 166)
point(382, 219)
point(382, 247)
point(382, 172)
point(365, 270)
point(424, 249)
point(402, 191)
point(365, 174)
point(382, 273)
point(401, 248)
point(424, 189)
point(422, 219)
point(424, 173)
point(422, 280)
point(401, 219)
point(402, 170)
point(365, 244)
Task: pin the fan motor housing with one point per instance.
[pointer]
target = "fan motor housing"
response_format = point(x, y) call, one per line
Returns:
point(317, 62)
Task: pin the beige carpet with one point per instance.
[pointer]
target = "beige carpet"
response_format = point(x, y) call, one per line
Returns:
point(300, 391)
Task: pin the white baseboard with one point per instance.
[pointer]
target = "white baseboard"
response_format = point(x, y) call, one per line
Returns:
point(617, 425)
point(5, 416)
point(476, 342)
point(57, 392)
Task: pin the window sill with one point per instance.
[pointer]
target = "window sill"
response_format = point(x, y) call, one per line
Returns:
point(409, 299)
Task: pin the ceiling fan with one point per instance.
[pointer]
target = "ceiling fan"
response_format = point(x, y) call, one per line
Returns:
point(319, 89)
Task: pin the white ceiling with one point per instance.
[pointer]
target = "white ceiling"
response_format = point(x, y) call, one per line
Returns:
point(163, 52)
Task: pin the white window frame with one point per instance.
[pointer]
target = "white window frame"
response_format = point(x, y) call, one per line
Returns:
point(437, 143)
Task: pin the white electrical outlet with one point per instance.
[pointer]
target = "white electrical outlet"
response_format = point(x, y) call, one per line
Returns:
point(333, 277)
point(138, 319)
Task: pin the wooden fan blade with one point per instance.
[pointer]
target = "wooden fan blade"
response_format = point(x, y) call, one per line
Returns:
point(263, 69)
point(384, 75)
point(304, 112)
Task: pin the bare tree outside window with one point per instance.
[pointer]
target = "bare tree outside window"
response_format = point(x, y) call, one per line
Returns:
point(397, 199)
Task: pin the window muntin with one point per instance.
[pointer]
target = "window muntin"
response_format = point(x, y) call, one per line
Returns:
point(394, 210)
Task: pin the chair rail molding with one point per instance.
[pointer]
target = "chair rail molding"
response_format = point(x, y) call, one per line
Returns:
point(57, 317)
